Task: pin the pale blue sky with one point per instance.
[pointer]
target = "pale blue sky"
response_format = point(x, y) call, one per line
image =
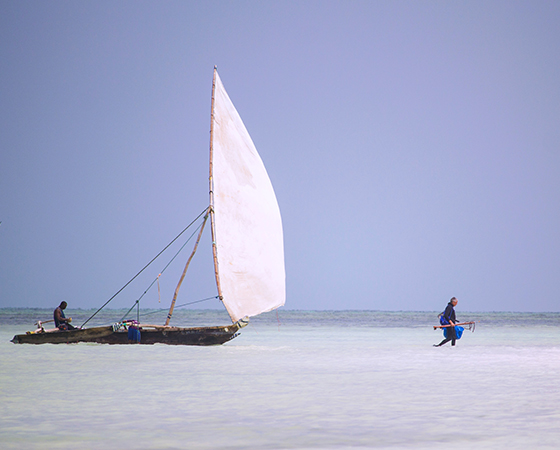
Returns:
point(414, 147)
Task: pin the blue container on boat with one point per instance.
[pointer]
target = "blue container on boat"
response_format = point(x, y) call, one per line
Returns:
point(134, 334)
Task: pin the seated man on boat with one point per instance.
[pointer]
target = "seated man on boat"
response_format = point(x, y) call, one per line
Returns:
point(60, 320)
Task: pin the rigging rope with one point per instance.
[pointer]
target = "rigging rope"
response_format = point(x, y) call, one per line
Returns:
point(137, 302)
point(177, 306)
point(145, 267)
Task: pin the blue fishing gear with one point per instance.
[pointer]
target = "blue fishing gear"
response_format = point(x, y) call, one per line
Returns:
point(442, 319)
point(458, 332)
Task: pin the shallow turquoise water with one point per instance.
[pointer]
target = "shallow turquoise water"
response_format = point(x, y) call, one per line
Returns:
point(317, 380)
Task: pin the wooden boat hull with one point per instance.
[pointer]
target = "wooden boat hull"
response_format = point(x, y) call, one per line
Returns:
point(161, 335)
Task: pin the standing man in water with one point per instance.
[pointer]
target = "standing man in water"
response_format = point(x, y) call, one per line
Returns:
point(60, 320)
point(449, 318)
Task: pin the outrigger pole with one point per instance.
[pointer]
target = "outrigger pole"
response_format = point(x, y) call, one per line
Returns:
point(184, 272)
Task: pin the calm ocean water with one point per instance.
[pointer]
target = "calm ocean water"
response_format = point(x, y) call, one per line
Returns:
point(296, 380)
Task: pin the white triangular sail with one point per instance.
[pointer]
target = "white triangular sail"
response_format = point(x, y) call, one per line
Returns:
point(247, 227)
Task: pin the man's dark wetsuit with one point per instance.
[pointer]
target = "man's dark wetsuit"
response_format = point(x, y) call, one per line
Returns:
point(449, 315)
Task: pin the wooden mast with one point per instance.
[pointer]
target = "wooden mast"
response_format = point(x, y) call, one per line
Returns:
point(211, 182)
point(210, 212)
